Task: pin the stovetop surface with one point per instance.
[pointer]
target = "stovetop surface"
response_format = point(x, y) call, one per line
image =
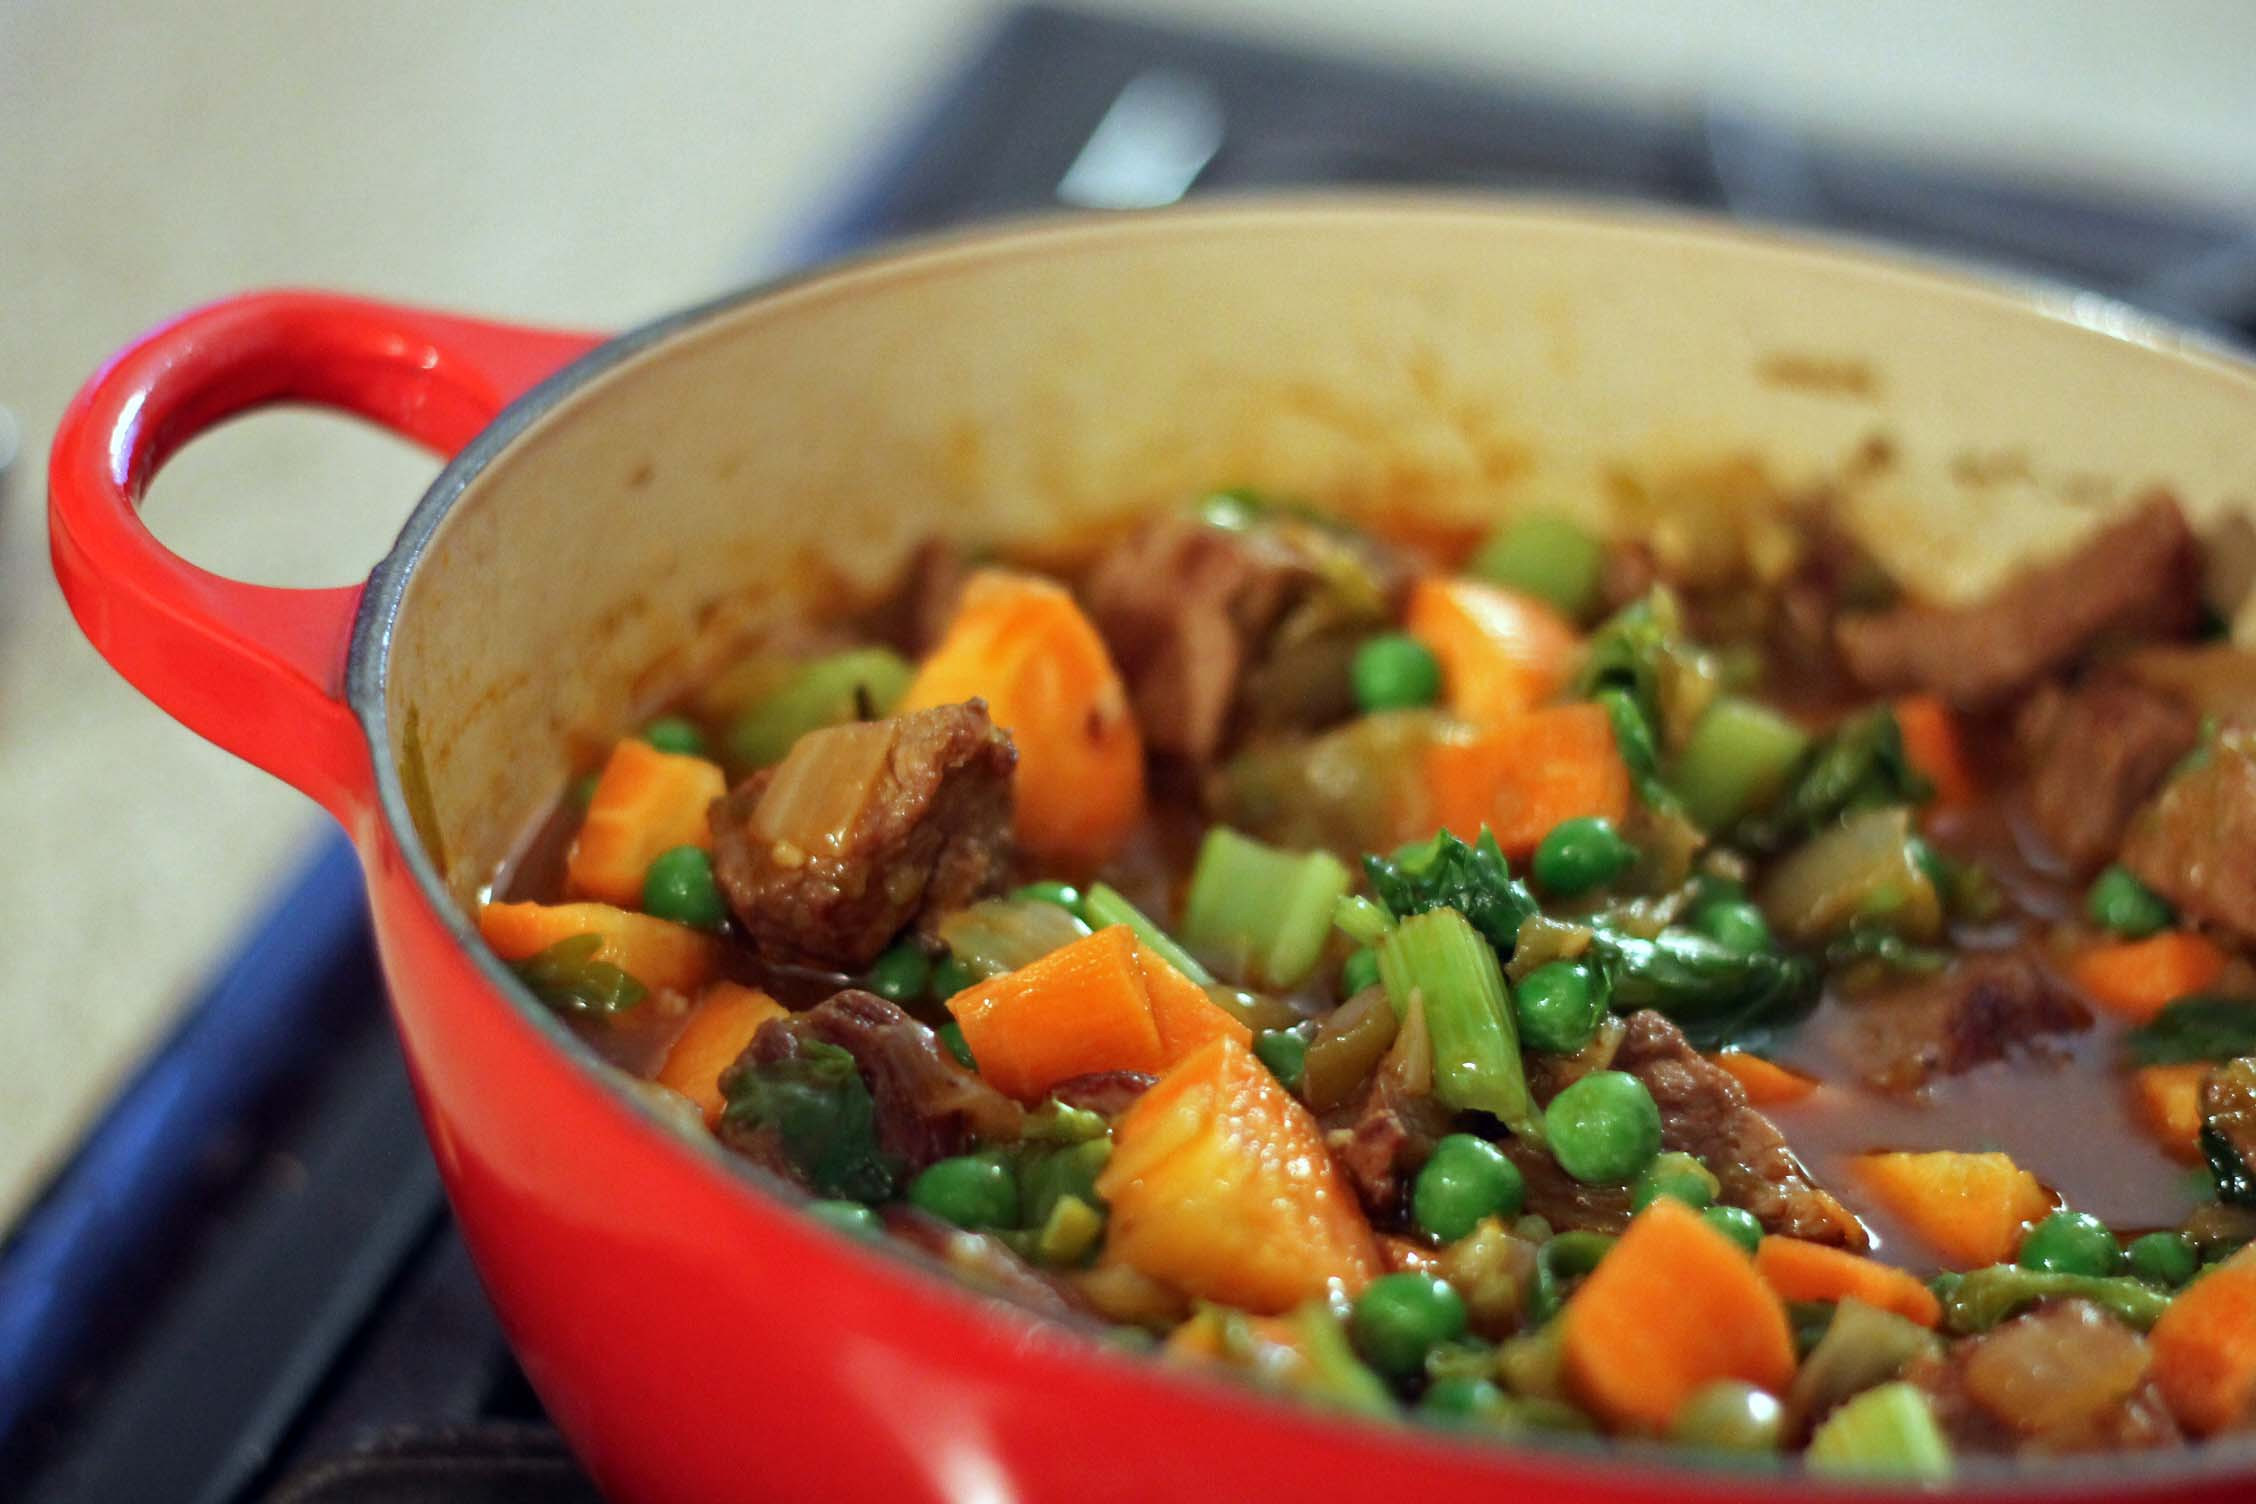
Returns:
point(246, 1286)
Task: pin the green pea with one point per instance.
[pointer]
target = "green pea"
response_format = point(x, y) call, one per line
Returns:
point(1461, 1397)
point(1604, 1128)
point(2168, 1259)
point(950, 977)
point(1730, 1416)
point(1394, 671)
point(1399, 1318)
point(2120, 902)
point(1735, 924)
point(1575, 1253)
point(971, 1190)
point(951, 1035)
point(1581, 854)
point(1064, 895)
point(674, 733)
point(1559, 1007)
point(678, 885)
point(902, 974)
point(1467, 1179)
point(1361, 971)
point(1677, 1176)
point(1736, 1223)
point(1285, 1052)
point(2071, 1243)
point(849, 1217)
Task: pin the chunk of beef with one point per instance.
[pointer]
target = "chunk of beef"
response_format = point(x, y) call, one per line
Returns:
point(1382, 1139)
point(1108, 1094)
point(1200, 617)
point(927, 1107)
point(2195, 844)
point(2092, 755)
point(1983, 1008)
point(864, 828)
point(1560, 1199)
point(2228, 1129)
point(1704, 1112)
point(2140, 574)
point(2066, 1377)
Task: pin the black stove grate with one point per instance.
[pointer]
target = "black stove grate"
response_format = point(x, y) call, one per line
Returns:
point(245, 1286)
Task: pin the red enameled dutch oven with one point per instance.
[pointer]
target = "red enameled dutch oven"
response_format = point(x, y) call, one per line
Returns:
point(614, 514)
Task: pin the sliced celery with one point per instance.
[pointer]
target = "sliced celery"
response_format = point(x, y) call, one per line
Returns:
point(1103, 905)
point(1361, 920)
point(855, 684)
point(1548, 556)
point(1334, 1374)
point(1739, 756)
point(1886, 1432)
point(1862, 1346)
point(1476, 1047)
point(1262, 913)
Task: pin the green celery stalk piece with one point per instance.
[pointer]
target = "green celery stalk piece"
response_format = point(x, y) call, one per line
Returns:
point(1545, 555)
point(1361, 920)
point(1739, 756)
point(1261, 911)
point(1476, 1047)
point(1104, 904)
point(1886, 1432)
point(841, 687)
point(1335, 1374)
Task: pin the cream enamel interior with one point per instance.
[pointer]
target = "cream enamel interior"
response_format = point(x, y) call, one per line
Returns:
point(1458, 357)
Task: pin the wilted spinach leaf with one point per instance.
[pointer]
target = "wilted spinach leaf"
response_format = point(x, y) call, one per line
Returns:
point(567, 977)
point(1717, 995)
point(1445, 873)
point(1861, 764)
point(2202, 1027)
point(821, 1114)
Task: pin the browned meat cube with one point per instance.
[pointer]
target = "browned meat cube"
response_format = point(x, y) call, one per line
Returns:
point(2195, 844)
point(863, 829)
point(1983, 1008)
point(2093, 754)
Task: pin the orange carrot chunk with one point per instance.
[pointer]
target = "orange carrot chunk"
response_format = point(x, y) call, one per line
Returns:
point(1675, 1305)
point(2205, 1348)
point(1814, 1271)
point(720, 1026)
point(2139, 978)
point(652, 951)
point(1766, 1083)
point(1525, 775)
point(1020, 643)
point(1970, 1208)
point(1500, 652)
point(646, 802)
point(1077, 1010)
point(1220, 1185)
point(2169, 1103)
point(1932, 742)
point(1185, 1016)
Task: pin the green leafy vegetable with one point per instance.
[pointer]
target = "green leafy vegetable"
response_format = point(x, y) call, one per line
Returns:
point(2228, 1130)
point(1261, 913)
point(1716, 994)
point(1861, 764)
point(822, 1118)
point(1640, 752)
point(1641, 650)
point(2205, 1026)
point(1439, 956)
point(1445, 873)
point(1982, 1298)
point(1867, 944)
point(567, 977)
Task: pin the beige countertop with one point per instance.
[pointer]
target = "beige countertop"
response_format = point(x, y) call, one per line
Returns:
point(593, 165)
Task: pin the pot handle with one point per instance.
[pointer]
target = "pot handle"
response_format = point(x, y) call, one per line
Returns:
point(256, 668)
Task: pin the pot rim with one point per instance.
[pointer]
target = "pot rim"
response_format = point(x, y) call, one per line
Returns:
point(375, 622)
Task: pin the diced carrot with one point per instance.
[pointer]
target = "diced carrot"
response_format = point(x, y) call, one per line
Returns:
point(1931, 740)
point(1674, 1306)
point(1501, 652)
point(652, 951)
point(646, 802)
point(2205, 1348)
point(1186, 1017)
point(1020, 643)
point(1800, 1270)
point(1523, 776)
point(2169, 1103)
point(2139, 978)
point(1766, 1083)
point(719, 1028)
point(1080, 1009)
point(1220, 1185)
point(1969, 1207)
